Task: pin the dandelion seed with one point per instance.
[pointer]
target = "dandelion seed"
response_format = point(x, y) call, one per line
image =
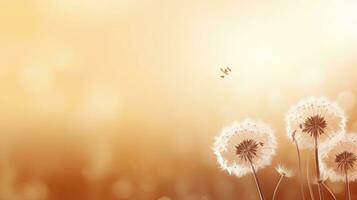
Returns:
point(245, 147)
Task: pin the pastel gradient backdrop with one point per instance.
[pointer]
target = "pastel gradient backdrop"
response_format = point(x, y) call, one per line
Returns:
point(122, 99)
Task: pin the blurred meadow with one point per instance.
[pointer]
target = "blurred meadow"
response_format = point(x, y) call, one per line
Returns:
point(122, 99)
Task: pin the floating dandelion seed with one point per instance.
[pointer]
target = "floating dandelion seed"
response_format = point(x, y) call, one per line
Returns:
point(339, 161)
point(245, 147)
point(283, 172)
point(313, 121)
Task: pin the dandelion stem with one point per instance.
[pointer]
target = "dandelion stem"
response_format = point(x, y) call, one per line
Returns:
point(277, 186)
point(329, 190)
point(318, 169)
point(348, 192)
point(300, 171)
point(308, 181)
point(320, 191)
point(257, 183)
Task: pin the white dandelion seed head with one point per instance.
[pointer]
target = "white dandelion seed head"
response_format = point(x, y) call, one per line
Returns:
point(282, 170)
point(329, 158)
point(227, 142)
point(332, 117)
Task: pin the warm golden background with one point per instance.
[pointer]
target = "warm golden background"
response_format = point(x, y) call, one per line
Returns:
point(121, 99)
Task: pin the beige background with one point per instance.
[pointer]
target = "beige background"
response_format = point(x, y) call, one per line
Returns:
point(121, 99)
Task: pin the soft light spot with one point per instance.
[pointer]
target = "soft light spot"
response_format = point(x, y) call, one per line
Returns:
point(346, 99)
point(148, 184)
point(164, 198)
point(100, 161)
point(35, 191)
point(122, 189)
point(99, 106)
point(36, 80)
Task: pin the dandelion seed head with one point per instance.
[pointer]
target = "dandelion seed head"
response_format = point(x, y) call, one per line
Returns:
point(315, 125)
point(340, 157)
point(247, 149)
point(315, 117)
point(243, 142)
point(282, 170)
point(345, 161)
